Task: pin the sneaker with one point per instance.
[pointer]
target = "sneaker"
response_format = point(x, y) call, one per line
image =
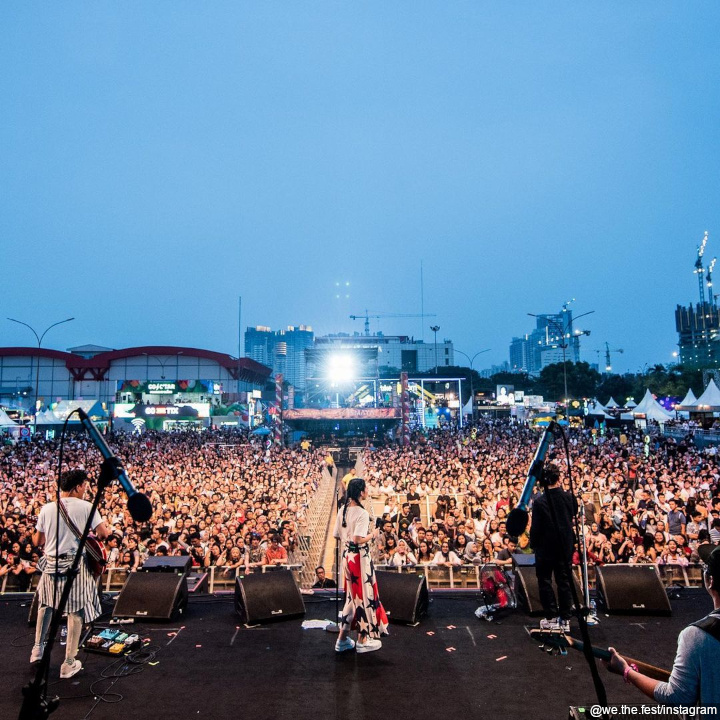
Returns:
point(483, 613)
point(343, 645)
point(70, 668)
point(549, 624)
point(368, 646)
point(37, 653)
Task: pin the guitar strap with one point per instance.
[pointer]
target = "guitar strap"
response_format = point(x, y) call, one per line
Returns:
point(74, 529)
point(710, 624)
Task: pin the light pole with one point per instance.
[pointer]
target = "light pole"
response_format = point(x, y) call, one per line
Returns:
point(471, 360)
point(563, 341)
point(435, 329)
point(39, 339)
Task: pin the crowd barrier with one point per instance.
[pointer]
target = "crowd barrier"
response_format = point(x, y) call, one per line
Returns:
point(466, 576)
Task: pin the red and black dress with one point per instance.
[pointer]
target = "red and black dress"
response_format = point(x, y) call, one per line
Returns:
point(363, 610)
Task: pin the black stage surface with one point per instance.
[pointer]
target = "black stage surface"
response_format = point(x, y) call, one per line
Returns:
point(450, 666)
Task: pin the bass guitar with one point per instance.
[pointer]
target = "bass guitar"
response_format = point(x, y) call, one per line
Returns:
point(560, 640)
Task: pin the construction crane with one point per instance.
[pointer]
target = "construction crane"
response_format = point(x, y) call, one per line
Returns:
point(708, 280)
point(367, 317)
point(699, 267)
point(608, 366)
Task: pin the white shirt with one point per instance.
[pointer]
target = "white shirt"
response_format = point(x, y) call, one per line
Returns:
point(357, 521)
point(78, 510)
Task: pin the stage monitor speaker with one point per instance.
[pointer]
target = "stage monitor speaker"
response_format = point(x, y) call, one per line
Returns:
point(34, 604)
point(403, 595)
point(632, 590)
point(152, 596)
point(267, 597)
point(178, 564)
point(527, 591)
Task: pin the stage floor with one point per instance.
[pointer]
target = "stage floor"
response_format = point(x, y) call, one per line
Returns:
point(450, 666)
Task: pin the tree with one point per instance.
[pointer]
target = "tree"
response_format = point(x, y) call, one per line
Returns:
point(618, 387)
point(582, 381)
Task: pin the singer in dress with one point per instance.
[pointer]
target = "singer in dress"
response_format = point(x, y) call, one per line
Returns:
point(363, 610)
point(83, 604)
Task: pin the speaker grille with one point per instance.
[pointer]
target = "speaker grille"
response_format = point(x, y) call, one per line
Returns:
point(266, 597)
point(152, 596)
point(633, 590)
point(403, 595)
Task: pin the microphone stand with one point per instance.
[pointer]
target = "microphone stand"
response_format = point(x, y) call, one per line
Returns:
point(580, 610)
point(36, 705)
point(592, 618)
point(334, 627)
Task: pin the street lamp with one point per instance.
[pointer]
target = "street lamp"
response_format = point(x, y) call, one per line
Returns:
point(39, 339)
point(435, 329)
point(564, 334)
point(472, 387)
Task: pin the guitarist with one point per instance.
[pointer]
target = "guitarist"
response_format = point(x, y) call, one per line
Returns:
point(83, 604)
point(695, 676)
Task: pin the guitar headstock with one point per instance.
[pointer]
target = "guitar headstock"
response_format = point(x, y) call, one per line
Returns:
point(552, 641)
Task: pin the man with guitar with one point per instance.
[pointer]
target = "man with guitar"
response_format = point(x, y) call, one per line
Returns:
point(695, 677)
point(61, 543)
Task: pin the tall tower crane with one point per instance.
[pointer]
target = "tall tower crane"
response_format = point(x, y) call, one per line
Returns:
point(386, 315)
point(608, 365)
point(708, 280)
point(699, 267)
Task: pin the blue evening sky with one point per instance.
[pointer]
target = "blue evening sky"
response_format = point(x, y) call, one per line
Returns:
point(159, 159)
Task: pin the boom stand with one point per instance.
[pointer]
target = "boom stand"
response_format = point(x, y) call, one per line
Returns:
point(36, 705)
point(592, 618)
point(580, 610)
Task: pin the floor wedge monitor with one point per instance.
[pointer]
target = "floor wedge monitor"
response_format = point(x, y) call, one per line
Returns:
point(403, 595)
point(152, 596)
point(632, 590)
point(528, 594)
point(267, 597)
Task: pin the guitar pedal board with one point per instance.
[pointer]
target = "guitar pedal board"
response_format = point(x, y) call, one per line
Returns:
point(109, 641)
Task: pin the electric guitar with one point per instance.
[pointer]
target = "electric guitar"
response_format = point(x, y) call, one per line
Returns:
point(560, 640)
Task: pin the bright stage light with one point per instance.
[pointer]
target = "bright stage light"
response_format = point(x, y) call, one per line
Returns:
point(341, 368)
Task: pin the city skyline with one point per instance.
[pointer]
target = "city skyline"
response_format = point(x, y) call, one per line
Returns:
point(158, 165)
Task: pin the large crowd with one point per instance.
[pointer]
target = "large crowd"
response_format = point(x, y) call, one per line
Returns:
point(221, 497)
point(646, 498)
point(238, 502)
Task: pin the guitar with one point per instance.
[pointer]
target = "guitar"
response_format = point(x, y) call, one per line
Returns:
point(559, 639)
point(96, 556)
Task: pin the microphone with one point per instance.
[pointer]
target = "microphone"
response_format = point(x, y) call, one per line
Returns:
point(517, 518)
point(138, 504)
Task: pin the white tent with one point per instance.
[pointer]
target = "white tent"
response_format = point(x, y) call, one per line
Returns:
point(47, 417)
point(652, 409)
point(5, 421)
point(630, 404)
point(684, 407)
point(611, 403)
point(710, 399)
point(91, 408)
point(595, 408)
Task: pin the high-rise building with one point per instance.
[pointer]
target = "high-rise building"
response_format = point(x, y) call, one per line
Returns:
point(544, 345)
point(698, 329)
point(282, 350)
